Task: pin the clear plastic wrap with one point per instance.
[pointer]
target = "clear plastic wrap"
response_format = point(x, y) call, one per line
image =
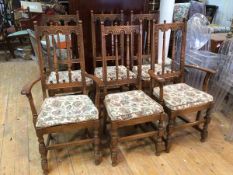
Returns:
point(198, 32)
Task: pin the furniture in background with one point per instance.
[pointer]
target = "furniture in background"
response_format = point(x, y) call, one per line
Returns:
point(3, 41)
point(147, 23)
point(178, 98)
point(216, 40)
point(129, 108)
point(59, 19)
point(61, 114)
point(84, 7)
point(23, 20)
point(211, 12)
point(109, 20)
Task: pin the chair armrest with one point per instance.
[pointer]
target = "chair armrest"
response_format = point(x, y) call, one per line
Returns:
point(27, 91)
point(209, 74)
point(98, 81)
point(155, 77)
point(200, 68)
point(161, 82)
point(28, 87)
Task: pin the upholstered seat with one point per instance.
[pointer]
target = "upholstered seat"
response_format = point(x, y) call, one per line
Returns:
point(146, 67)
point(181, 96)
point(130, 104)
point(64, 76)
point(66, 109)
point(111, 73)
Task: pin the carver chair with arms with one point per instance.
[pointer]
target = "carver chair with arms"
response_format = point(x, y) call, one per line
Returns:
point(64, 113)
point(178, 98)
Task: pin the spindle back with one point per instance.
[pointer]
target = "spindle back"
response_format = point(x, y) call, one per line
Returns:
point(57, 65)
point(174, 70)
point(121, 53)
point(147, 24)
point(109, 19)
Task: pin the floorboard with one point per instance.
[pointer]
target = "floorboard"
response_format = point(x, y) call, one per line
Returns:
point(19, 153)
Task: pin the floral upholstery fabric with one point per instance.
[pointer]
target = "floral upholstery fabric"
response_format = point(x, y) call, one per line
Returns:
point(181, 96)
point(129, 105)
point(181, 11)
point(66, 109)
point(64, 76)
point(111, 73)
point(145, 68)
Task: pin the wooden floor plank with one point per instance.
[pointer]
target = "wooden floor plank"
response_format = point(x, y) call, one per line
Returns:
point(19, 146)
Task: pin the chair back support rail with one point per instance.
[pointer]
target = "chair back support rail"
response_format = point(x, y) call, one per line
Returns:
point(121, 53)
point(109, 19)
point(53, 62)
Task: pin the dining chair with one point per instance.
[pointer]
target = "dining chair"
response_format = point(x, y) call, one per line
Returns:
point(128, 108)
point(179, 99)
point(109, 19)
point(147, 23)
point(64, 113)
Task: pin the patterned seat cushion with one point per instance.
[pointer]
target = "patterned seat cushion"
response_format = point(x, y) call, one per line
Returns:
point(111, 73)
point(64, 76)
point(145, 68)
point(129, 105)
point(181, 96)
point(66, 109)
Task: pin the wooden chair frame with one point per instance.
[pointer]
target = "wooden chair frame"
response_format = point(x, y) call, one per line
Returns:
point(148, 19)
point(115, 125)
point(120, 31)
point(57, 19)
point(178, 76)
point(40, 132)
point(102, 18)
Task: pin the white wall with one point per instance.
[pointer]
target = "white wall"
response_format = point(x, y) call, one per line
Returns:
point(224, 13)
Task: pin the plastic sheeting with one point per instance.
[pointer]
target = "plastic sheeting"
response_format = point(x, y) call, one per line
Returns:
point(198, 32)
point(221, 85)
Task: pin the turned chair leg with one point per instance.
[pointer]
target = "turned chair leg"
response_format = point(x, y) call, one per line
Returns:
point(198, 116)
point(171, 122)
point(114, 148)
point(158, 146)
point(97, 152)
point(204, 133)
point(43, 153)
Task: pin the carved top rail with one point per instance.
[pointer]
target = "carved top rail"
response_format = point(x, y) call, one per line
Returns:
point(58, 19)
point(116, 30)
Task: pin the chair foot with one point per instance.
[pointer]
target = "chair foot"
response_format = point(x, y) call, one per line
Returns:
point(114, 148)
point(98, 159)
point(204, 133)
point(159, 142)
point(98, 155)
point(114, 159)
point(43, 153)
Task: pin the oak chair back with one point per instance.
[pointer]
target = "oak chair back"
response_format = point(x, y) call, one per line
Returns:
point(147, 24)
point(53, 66)
point(121, 54)
point(59, 19)
point(173, 71)
point(109, 19)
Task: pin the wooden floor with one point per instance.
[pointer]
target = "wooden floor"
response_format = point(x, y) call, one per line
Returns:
point(19, 149)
